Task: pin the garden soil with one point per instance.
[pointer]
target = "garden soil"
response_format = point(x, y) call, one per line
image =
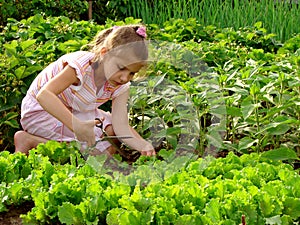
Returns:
point(12, 216)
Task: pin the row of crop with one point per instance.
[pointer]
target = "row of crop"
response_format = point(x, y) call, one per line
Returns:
point(176, 190)
point(222, 13)
point(78, 10)
point(229, 89)
point(279, 17)
point(233, 90)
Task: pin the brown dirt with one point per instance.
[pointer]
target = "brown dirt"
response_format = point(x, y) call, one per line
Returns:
point(12, 216)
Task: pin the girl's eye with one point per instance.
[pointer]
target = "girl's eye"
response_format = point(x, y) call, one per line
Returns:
point(132, 73)
point(121, 67)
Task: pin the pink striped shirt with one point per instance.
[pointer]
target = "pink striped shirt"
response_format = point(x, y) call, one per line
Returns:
point(82, 100)
point(82, 97)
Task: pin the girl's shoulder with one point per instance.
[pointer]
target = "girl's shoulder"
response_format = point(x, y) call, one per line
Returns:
point(78, 55)
point(80, 60)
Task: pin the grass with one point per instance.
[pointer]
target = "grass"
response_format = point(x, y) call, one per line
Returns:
point(278, 17)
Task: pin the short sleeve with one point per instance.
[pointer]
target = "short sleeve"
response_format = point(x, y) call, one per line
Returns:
point(80, 61)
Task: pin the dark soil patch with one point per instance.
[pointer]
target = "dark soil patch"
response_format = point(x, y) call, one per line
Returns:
point(12, 216)
point(297, 164)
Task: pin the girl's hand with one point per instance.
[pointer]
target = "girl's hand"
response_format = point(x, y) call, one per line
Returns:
point(148, 152)
point(84, 131)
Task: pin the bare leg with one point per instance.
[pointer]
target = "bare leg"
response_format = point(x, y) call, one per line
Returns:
point(112, 149)
point(25, 141)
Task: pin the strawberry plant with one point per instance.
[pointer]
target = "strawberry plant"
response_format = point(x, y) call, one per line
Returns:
point(23, 9)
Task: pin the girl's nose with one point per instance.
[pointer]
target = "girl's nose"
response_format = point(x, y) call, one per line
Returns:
point(125, 77)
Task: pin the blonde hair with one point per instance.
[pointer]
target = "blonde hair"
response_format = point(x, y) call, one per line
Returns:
point(117, 37)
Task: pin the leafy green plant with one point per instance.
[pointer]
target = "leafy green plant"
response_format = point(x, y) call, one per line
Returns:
point(222, 14)
point(172, 190)
point(27, 47)
point(236, 90)
point(24, 9)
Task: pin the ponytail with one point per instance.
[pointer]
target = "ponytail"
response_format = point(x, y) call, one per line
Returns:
point(116, 36)
point(99, 39)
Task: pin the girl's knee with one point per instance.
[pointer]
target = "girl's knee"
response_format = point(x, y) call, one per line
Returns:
point(20, 136)
point(24, 141)
point(21, 140)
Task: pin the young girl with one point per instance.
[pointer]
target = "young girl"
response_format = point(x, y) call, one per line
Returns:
point(62, 102)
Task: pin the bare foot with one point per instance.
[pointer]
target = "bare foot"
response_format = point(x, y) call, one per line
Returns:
point(25, 141)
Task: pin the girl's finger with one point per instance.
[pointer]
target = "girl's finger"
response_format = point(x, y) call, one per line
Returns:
point(97, 122)
point(148, 153)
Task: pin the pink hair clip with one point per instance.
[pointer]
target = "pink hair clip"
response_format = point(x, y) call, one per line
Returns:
point(115, 27)
point(142, 32)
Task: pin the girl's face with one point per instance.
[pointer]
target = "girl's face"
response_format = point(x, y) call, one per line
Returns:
point(120, 71)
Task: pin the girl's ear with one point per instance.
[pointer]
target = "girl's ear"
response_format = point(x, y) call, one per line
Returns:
point(103, 51)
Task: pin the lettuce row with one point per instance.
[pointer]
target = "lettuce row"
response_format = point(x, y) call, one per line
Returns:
point(176, 190)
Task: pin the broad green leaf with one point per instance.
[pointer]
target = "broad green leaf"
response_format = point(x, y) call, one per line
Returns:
point(38, 19)
point(166, 154)
point(292, 207)
point(280, 154)
point(280, 126)
point(26, 44)
point(97, 163)
point(11, 48)
point(233, 111)
point(250, 36)
point(15, 190)
point(278, 129)
point(266, 204)
point(246, 143)
point(129, 218)
point(12, 123)
point(215, 139)
point(258, 24)
point(274, 220)
point(247, 108)
point(32, 70)
point(19, 72)
point(218, 109)
point(158, 80)
point(172, 139)
point(11, 115)
point(14, 62)
point(68, 214)
point(212, 210)
point(113, 216)
point(173, 131)
point(71, 45)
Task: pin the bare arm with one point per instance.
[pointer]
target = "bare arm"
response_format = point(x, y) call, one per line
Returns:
point(47, 96)
point(121, 126)
point(48, 99)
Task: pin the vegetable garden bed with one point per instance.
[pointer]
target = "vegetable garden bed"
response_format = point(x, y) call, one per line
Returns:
point(175, 190)
point(209, 91)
